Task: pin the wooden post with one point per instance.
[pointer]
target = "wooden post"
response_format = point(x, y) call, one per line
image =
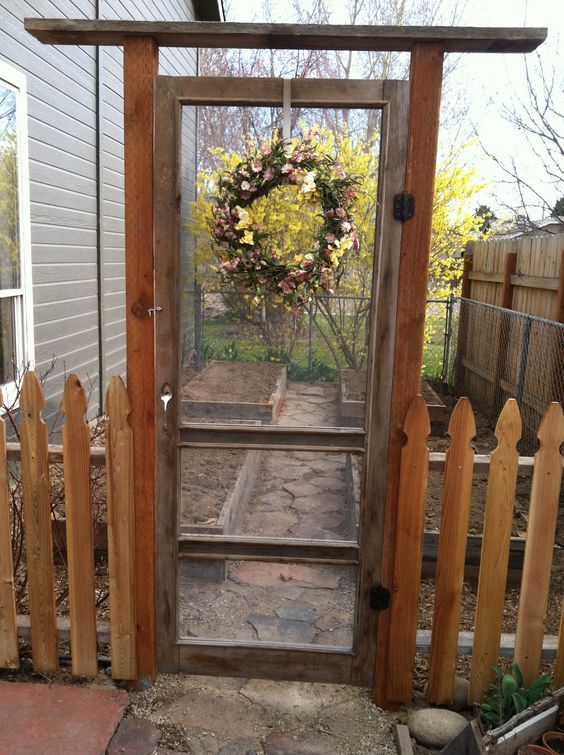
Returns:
point(559, 307)
point(503, 325)
point(425, 99)
point(465, 293)
point(140, 71)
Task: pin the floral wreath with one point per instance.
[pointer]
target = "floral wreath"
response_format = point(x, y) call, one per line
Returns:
point(243, 253)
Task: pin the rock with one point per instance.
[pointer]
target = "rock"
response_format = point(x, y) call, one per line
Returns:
point(303, 743)
point(435, 727)
point(301, 489)
point(272, 629)
point(298, 611)
point(460, 697)
point(276, 575)
point(240, 746)
point(135, 736)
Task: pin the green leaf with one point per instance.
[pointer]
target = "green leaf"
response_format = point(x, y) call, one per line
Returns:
point(508, 685)
point(519, 701)
point(518, 675)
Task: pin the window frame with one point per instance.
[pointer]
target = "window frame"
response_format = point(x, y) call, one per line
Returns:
point(23, 296)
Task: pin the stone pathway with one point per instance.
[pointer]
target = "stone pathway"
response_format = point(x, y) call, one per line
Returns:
point(298, 495)
point(226, 716)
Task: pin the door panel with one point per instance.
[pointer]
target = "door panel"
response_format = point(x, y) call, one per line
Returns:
point(269, 521)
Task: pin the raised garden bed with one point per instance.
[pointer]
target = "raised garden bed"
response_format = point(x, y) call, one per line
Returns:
point(352, 397)
point(235, 390)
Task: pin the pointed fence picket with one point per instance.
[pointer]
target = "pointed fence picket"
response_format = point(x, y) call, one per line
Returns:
point(34, 454)
point(9, 653)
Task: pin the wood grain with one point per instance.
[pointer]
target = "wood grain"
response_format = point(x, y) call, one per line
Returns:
point(457, 488)
point(285, 36)
point(37, 521)
point(541, 530)
point(498, 520)
point(121, 531)
point(140, 71)
point(79, 530)
point(9, 652)
point(404, 610)
point(404, 380)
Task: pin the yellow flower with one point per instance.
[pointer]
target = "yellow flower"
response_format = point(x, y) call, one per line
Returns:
point(248, 238)
point(298, 259)
point(245, 219)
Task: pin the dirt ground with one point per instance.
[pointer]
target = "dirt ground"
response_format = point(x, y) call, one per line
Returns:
point(207, 476)
point(252, 382)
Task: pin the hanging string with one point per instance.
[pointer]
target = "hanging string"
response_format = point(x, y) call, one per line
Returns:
point(286, 108)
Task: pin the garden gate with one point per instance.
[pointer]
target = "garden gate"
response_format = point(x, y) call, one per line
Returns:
point(397, 332)
point(181, 550)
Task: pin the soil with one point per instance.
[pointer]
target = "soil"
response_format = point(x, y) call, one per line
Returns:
point(354, 387)
point(207, 478)
point(252, 382)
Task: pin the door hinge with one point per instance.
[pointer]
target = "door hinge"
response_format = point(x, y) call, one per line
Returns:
point(379, 597)
point(404, 206)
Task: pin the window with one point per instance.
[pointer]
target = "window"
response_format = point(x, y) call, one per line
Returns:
point(16, 323)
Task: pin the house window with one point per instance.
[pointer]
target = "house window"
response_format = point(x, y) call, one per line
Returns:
point(16, 326)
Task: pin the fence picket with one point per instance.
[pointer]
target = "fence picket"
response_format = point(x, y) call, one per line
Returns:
point(498, 520)
point(404, 611)
point(37, 521)
point(541, 530)
point(559, 664)
point(119, 461)
point(457, 486)
point(80, 538)
point(9, 653)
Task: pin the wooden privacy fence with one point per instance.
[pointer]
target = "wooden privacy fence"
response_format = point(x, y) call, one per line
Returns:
point(543, 509)
point(34, 454)
point(510, 340)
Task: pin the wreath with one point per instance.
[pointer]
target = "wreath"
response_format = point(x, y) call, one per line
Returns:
point(242, 245)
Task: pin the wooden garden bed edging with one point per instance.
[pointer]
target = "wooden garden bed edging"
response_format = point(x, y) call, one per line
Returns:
point(43, 625)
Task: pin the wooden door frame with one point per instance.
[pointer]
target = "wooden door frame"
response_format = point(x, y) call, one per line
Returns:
point(308, 663)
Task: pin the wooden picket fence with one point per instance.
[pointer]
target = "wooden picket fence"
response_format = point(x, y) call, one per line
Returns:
point(35, 454)
point(537, 564)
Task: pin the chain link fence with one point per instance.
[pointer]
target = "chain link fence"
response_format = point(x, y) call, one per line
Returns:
point(496, 354)
point(332, 334)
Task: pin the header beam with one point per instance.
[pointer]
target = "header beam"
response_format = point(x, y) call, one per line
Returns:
point(285, 36)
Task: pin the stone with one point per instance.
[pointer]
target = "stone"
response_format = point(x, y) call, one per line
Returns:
point(319, 503)
point(310, 531)
point(285, 699)
point(298, 743)
point(460, 696)
point(294, 575)
point(271, 522)
point(135, 736)
point(52, 718)
point(298, 611)
point(301, 489)
point(333, 619)
point(435, 727)
point(274, 629)
point(241, 746)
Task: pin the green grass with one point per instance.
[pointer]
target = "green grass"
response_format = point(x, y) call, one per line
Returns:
point(228, 339)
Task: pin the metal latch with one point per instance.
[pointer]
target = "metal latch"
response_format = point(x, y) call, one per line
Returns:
point(404, 206)
point(379, 597)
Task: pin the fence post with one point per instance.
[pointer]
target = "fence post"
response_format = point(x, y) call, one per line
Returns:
point(198, 316)
point(448, 336)
point(524, 358)
point(464, 316)
point(310, 343)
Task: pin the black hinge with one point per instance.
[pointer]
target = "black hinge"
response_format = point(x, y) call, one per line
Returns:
point(379, 598)
point(404, 206)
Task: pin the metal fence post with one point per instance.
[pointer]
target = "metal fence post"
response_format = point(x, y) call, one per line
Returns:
point(448, 336)
point(524, 358)
point(198, 326)
point(310, 343)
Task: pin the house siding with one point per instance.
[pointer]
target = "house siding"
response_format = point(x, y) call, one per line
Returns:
point(66, 123)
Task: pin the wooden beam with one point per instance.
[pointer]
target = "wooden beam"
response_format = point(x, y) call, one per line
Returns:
point(285, 36)
point(535, 281)
point(559, 306)
point(140, 72)
point(509, 267)
point(506, 647)
point(425, 99)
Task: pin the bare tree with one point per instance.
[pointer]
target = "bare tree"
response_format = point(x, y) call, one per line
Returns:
point(538, 116)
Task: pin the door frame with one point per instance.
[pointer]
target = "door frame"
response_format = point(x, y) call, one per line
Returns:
point(306, 663)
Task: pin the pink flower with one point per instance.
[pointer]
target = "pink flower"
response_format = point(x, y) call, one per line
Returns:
point(350, 194)
point(269, 173)
point(265, 148)
point(245, 185)
point(339, 172)
point(340, 213)
point(356, 244)
point(287, 168)
point(330, 214)
point(330, 237)
point(256, 166)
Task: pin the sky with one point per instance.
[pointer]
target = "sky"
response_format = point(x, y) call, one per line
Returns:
point(485, 82)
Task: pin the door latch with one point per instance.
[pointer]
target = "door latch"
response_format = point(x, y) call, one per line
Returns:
point(379, 597)
point(166, 396)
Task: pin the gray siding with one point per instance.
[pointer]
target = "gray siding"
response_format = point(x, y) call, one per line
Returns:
point(64, 124)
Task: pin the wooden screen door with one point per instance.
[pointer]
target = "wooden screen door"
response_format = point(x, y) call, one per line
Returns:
point(276, 580)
